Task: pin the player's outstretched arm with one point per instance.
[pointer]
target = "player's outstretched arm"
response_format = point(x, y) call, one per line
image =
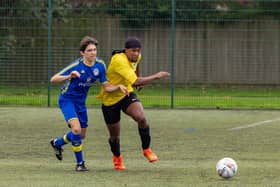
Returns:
point(60, 78)
point(146, 80)
point(111, 88)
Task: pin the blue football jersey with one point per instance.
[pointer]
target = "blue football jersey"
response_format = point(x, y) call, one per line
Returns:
point(77, 88)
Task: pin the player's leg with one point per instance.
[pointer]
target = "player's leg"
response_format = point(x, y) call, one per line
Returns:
point(77, 144)
point(83, 118)
point(79, 131)
point(114, 142)
point(68, 110)
point(59, 142)
point(112, 118)
point(136, 111)
point(76, 117)
point(83, 133)
point(114, 139)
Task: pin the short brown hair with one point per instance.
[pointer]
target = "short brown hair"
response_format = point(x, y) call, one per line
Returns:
point(86, 41)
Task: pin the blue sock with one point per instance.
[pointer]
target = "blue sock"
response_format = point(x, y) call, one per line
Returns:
point(77, 147)
point(67, 138)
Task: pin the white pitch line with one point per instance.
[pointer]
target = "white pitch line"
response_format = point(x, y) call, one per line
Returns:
point(254, 124)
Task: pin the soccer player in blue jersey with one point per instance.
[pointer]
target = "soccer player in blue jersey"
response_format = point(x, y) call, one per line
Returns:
point(80, 76)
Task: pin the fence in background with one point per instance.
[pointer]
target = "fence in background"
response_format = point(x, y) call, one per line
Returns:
point(233, 42)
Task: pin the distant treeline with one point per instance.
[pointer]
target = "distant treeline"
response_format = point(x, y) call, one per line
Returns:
point(141, 12)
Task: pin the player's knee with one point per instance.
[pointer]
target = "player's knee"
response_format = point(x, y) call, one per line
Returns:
point(76, 130)
point(141, 120)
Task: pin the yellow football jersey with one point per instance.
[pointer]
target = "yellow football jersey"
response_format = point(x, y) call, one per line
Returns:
point(120, 71)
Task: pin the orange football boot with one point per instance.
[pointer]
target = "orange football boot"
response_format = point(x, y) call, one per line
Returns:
point(150, 155)
point(118, 163)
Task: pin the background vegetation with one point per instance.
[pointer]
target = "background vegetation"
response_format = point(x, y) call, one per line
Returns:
point(192, 10)
point(226, 52)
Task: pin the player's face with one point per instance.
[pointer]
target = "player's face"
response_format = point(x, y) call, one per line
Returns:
point(132, 54)
point(90, 53)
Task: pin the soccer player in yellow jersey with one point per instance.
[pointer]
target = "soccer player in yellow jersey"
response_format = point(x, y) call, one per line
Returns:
point(124, 69)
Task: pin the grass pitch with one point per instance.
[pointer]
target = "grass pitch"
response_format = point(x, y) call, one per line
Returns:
point(188, 143)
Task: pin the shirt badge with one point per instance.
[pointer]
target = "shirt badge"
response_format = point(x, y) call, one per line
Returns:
point(96, 72)
point(134, 66)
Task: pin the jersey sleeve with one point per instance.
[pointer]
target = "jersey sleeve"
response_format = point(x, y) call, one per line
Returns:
point(65, 72)
point(102, 77)
point(68, 69)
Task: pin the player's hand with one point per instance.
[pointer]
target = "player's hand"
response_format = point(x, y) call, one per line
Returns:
point(75, 74)
point(138, 87)
point(123, 89)
point(162, 74)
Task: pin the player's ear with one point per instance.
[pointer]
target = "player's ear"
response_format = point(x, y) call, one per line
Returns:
point(82, 53)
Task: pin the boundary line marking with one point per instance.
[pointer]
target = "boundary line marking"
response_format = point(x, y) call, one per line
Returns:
point(254, 124)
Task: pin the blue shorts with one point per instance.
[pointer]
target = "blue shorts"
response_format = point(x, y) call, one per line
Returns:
point(74, 109)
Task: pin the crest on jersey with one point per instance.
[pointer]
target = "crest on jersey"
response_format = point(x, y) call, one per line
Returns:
point(83, 71)
point(134, 66)
point(96, 72)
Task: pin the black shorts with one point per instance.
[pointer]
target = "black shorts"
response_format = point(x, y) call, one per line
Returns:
point(112, 114)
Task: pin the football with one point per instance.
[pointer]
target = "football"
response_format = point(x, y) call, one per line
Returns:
point(226, 168)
